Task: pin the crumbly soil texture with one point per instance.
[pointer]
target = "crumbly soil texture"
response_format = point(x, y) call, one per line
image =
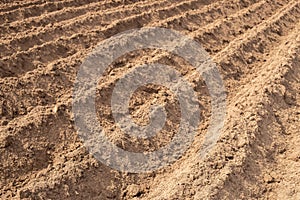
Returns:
point(256, 47)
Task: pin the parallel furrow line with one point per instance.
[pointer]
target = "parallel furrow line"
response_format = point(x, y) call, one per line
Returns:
point(215, 36)
point(256, 42)
point(199, 17)
point(92, 21)
point(17, 5)
point(36, 10)
point(74, 25)
point(36, 23)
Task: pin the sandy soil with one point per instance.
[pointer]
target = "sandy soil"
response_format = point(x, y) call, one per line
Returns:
point(256, 44)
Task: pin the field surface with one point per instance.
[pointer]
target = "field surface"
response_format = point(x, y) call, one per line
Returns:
point(256, 46)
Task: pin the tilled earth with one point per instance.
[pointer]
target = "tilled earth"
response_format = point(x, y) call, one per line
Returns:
point(256, 45)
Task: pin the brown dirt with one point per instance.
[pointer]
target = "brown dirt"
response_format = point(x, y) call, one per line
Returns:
point(256, 44)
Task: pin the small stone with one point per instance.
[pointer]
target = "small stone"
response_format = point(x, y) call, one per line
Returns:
point(268, 178)
point(133, 191)
point(29, 109)
point(55, 109)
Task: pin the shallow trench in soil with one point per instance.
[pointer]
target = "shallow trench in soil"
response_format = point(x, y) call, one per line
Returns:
point(255, 45)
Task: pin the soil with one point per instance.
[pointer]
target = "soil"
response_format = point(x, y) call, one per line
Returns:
point(256, 45)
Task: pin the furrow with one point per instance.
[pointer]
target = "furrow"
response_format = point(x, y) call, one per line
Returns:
point(215, 36)
point(37, 23)
point(29, 39)
point(36, 10)
point(16, 5)
point(200, 17)
point(255, 43)
point(259, 108)
point(22, 61)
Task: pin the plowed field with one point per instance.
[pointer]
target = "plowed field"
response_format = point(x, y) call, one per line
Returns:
point(256, 46)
